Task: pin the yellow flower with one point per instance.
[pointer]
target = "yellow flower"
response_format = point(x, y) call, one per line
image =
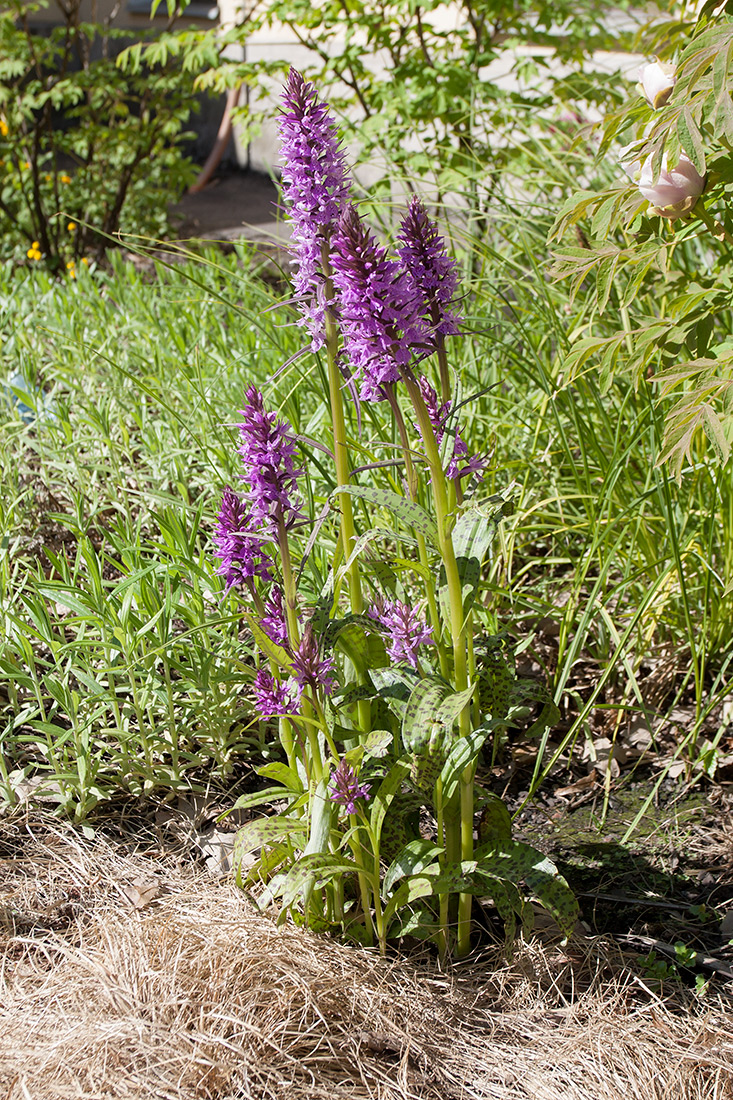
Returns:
point(85, 261)
point(34, 252)
point(4, 128)
point(71, 268)
point(65, 178)
point(71, 227)
point(26, 164)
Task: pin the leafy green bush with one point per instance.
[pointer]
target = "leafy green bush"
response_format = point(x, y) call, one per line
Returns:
point(86, 151)
point(655, 253)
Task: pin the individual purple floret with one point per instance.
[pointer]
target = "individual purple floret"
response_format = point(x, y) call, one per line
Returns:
point(459, 465)
point(379, 307)
point(310, 670)
point(429, 266)
point(243, 554)
point(345, 787)
point(273, 622)
point(404, 630)
point(268, 450)
point(273, 699)
point(315, 189)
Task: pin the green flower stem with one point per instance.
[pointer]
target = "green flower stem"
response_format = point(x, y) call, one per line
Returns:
point(458, 825)
point(444, 898)
point(289, 591)
point(357, 852)
point(343, 474)
point(433, 612)
point(445, 394)
point(340, 445)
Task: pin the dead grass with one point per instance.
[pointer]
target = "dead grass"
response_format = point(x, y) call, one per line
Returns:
point(127, 976)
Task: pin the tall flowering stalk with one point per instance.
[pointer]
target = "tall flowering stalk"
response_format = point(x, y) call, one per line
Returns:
point(350, 791)
point(427, 263)
point(317, 191)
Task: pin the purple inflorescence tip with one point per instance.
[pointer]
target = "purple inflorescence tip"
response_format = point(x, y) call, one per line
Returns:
point(379, 307)
point(428, 265)
point(267, 449)
point(310, 670)
point(316, 191)
point(273, 621)
point(405, 631)
point(273, 699)
point(459, 464)
point(345, 788)
point(243, 553)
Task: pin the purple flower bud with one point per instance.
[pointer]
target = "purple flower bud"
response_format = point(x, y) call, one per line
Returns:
point(404, 630)
point(429, 266)
point(345, 788)
point(273, 699)
point(268, 450)
point(315, 189)
point(379, 306)
point(239, 544)
point(309, 669)
point(459, 465)
point(273, 622)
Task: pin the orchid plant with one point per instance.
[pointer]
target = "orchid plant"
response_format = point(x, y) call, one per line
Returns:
point(387, 685)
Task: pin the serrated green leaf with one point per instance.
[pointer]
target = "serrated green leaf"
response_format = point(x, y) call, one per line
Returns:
point(690, 139)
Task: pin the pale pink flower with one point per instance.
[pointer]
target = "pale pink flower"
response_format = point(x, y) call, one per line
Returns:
point(657, 81)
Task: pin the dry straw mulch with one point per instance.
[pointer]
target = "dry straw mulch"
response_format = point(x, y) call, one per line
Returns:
point(124, 975)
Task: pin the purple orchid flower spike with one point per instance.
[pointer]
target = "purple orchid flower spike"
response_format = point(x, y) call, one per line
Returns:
point(379, 306)
point(267, 449)
point(405, 631)
point(316, 191)
point(345, 787)
point(310, 670)
point(428, 265)
point(238, 545)
point(273, 699)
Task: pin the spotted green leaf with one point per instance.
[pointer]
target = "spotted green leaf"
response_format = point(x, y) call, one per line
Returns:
point(414, 857)
point(453, 879)
point(275, 652)
point(462, 752)
point(313, 871)
point(384, 796)
point(410, 513)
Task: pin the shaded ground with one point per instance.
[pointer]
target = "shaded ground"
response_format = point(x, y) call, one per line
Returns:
point(240, 204)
